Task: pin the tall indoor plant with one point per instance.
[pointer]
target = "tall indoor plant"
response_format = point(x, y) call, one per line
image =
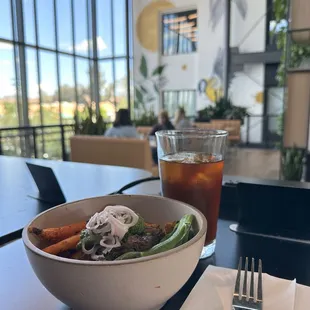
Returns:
point(294, 55)
point(88, 121)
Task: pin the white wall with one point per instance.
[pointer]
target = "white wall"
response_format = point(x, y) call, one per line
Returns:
point(246, 87)
point(181, 71)
point(254, 23)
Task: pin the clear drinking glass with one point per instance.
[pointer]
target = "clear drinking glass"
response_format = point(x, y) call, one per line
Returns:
point(191, 170)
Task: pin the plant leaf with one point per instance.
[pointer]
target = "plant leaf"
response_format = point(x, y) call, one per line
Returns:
point(139, 95)
point(156, 88)
point(159, 70)
point(143, 89)
point(143, 67)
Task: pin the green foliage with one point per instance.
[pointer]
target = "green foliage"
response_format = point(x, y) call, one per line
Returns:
point(223, 109)
point(143, 67)
point(280, 125)
point(292, 161)
point(9, 118)
point(147, 118)
point(159, 70)
point(297, 52)
point(138, 228)
point(88, 122)
point(148, 88)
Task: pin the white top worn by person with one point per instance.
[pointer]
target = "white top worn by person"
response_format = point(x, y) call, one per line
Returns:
point(181, 122)
point(122, 127)
point(122, 132)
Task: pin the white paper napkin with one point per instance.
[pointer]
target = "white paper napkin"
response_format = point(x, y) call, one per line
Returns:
point(215, 288)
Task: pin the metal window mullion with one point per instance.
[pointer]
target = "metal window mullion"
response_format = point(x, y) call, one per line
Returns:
point(127, 54)
point(113, 51)
point(57, 60)
point(47, 49)
point(22, 60)
point(74, 57)
point(38, 70)
point(89, 53)
point(18, 105)
point(96, 97)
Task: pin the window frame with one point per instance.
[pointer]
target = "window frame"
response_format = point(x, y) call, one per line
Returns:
point(160, 23)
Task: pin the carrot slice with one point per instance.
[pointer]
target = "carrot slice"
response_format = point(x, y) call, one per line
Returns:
point(57, 234)
point(64, 245)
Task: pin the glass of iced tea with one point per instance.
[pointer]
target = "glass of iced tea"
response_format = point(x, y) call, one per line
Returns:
point(191, 169)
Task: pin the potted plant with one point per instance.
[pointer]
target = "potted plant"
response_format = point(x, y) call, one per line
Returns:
point(146, 118)
point(88, 122)
point(223, 109)
point(292, 163)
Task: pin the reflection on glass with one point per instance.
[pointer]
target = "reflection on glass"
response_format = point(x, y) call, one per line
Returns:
point(64, 25)
point(48, 86)
point(67, 90)
point(8, 106)
point(80, 21)
point(83, 81)
point(104, 30)
point(119, 19)
point(29, 24)
point(5, 20)
point(121, 84)
point(182, 98)
point(32, 87)
point(45, 13)
point(106, 85)
point(179, 33)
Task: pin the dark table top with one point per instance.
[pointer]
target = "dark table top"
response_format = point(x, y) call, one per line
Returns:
point(20, 289)
point(77, 181)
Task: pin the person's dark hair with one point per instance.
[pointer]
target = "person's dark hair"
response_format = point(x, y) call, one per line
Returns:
point(122, 118)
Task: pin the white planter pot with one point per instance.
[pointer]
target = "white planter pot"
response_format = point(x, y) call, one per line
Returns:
point(300, 19)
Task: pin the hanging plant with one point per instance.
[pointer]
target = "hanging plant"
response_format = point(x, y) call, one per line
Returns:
point(297, 53)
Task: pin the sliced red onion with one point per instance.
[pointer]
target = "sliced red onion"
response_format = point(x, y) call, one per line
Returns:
point(110, 242)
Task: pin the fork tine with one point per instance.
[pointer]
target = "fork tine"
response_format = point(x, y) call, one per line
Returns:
point(245, 278)
point(252, 280)
point(237, 286)
point(260, 282)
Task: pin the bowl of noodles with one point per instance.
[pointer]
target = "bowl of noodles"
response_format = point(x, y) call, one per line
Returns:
point(116, 252)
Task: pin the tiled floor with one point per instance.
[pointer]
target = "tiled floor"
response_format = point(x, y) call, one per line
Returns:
point(256, 163)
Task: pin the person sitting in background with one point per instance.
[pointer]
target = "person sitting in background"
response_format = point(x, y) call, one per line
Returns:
point(181, 122)
point(163, 123)
point(122, 127)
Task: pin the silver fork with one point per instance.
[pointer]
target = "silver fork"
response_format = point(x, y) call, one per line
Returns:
point(246, 300)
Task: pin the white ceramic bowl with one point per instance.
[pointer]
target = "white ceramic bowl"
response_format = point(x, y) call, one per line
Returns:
point(136, 284)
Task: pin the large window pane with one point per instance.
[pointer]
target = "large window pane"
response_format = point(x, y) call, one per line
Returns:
point(106, 85)
point(48, 86)
point(121, 83)
point(67, 89)
point(83, 80)
point(179, 34)
point(46, 29)
point(104, 29)
point(80, 20)
point(119, 20)
point(33, 88)
point(8, 106)
point(64, 25)
point(29, 24)
point(5, 19)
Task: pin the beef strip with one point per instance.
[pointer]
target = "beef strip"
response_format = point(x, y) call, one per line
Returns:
point(138, 243)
